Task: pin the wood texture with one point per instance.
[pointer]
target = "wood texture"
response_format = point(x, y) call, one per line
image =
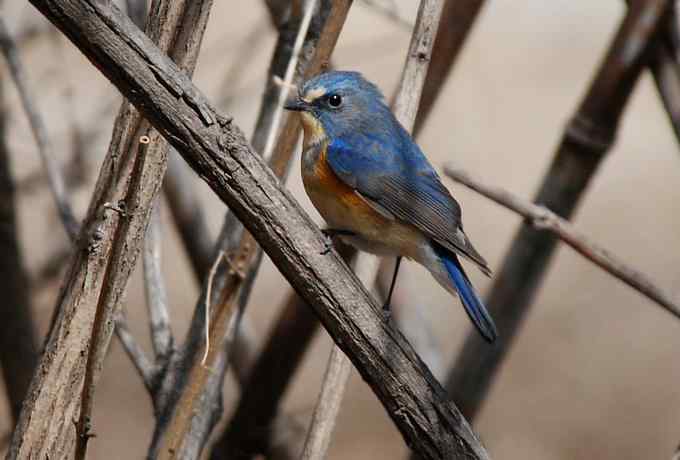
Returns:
point(218, 151)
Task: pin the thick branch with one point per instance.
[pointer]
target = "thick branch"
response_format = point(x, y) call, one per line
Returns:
point(113, 232)
point(587, 139)
point(218, 151)
point(544, 219)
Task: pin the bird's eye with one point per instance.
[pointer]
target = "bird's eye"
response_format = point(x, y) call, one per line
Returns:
point(334, 100)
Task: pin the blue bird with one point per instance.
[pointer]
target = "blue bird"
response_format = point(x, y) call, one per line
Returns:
point(376, 189)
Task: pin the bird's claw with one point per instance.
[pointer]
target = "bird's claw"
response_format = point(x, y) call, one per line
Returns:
point(329, 233)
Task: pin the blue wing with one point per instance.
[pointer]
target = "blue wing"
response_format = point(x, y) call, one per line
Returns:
point(388, 168)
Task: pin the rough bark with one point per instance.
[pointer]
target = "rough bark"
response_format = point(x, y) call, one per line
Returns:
point(218, 151)
point(106, 253)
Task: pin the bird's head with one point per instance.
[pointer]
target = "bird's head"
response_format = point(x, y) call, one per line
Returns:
point(337, 102)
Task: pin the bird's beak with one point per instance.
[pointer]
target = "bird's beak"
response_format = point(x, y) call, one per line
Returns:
point(297, 105)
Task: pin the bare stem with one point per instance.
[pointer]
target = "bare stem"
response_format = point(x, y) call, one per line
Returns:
point(156, 297)
point(544, 219)
point(327, 406)
point(54, 174)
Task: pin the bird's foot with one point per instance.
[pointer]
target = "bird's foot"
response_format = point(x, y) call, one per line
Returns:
point(329, 233)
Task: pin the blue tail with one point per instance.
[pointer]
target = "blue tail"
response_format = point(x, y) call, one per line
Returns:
point(474, 306)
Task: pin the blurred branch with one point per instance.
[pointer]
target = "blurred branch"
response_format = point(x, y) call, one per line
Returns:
point(115, 226)
point(327, 406)
point(156, 297)
point(589, 135)
point(215, 147)
point(188, 216)
point(144, 367)
point(18, 350)
point(256, 417)
point(136, 9)
point(390, 11)
point(666, 71)
point(52, 169)
point(456, 22)
point(412, 319)
point(543, 219)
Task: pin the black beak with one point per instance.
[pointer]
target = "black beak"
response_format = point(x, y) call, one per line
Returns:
point(297, 105)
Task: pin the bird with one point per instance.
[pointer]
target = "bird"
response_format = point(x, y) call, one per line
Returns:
point(376, 189)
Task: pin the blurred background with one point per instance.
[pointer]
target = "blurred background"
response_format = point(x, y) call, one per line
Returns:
point(594, 372)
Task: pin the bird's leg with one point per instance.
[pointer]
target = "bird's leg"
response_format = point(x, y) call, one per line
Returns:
point(386, 305)
point(330, 233)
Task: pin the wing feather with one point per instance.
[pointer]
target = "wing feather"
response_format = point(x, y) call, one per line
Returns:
point(403, 186)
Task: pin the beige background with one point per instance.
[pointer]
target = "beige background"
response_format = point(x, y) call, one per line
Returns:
point(594, 373)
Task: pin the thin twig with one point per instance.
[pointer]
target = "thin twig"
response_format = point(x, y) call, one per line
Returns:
point(287, 83)
point(327, 406)
point(389, 11)
point(154, 287)
point(456, 22)
point(18, 342)
point(134, 351)
point(54, 174)
point(544, 219)
point(586, 140)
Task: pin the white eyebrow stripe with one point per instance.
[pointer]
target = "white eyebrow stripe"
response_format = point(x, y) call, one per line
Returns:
point(313, 94)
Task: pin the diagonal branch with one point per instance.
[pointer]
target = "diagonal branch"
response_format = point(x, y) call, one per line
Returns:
point(544, 219)
point(99, 269)
point(18, 349)
point(588, 137)
point(54, 175)
point(217, 149)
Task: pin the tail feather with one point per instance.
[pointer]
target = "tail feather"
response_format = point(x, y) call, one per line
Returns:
point(474, 306)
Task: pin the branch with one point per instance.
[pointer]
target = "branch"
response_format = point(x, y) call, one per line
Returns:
point(218, 151)
point(250, 430)
point(54, 174)
point(231, 286)
point(588, 137)
point(113, 231)
point(544, 219)
point(188, 216)
point(156, 297)
point(18, 350)
point(327, 406)
point(456, 22)
point(144, 367)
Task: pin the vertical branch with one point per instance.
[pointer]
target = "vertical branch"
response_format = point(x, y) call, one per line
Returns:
point(156, 297)
point(18, 353)
point(113, 232)
point(327, 406)
point(456, 22)
point(54, 175)
point(586, 140)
